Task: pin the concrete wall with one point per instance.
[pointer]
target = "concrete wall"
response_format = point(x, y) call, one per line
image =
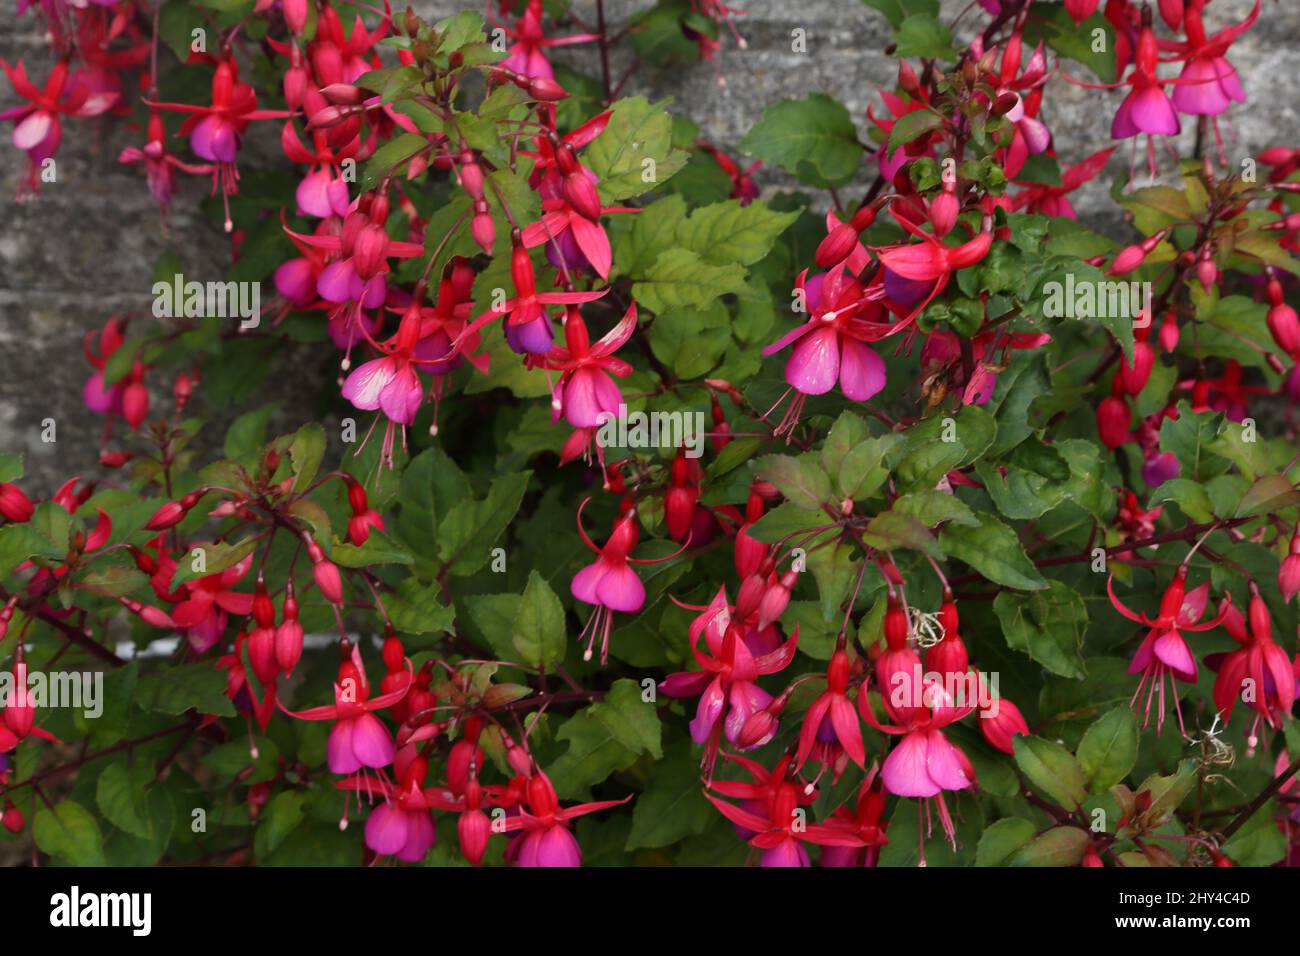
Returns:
point(87, 246)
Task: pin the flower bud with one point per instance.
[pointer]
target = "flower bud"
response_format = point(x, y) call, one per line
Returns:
point(580, 193)
point(12, 818)
point(836, 247)
point(1113, 421)
point(1288, 575)
point(546, 90)
point(1284, 326)
point(473, 829)
point(15, 506)
point(776, 599)
point(1128, 260)
point(943, 212)
point(326, 575)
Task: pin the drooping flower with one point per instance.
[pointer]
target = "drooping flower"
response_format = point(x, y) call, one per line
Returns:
point(359, 738)
point(1164, 651)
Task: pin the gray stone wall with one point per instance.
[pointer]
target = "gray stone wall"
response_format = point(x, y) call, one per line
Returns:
point(87, 246)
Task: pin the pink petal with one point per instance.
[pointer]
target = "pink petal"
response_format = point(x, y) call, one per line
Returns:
point(814, 362)
point(862, 371)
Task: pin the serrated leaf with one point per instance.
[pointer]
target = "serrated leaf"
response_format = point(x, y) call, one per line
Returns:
point(994, 551)
point(539, 632)
point(813, 138)
point(607, 736)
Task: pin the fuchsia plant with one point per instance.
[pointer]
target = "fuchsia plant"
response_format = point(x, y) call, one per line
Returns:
point(1027, 478)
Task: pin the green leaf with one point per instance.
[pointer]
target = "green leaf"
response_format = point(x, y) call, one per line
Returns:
point(848, 431)
point(681, 279)
point(1051, 770)
point(634, 154)
point(863, 471)
point(1267, 495)
point(22, 542)
point(418, 609)
point(785, 519)
point(813, 138)
point(1001, 839)
point(390, 157)
point(1259, 842)
point(184, 687)
point(247, 433)
point(69, 832)
point(539, 632)
point(11, 467)
point(608, 735)
point(279, 818)
point(120, 793)
point(1109, 749)
point(467, 534)
point(653, 230)
point(1189, 495)
point(801, 480)
point(1059, 846)
point(933, 507)
point(939, 444)
point(217, 556)
point(889, 530)
point(896, 11)
point(673, 806)
point(994, 551)
point(378, 549)
point(305, 452)
point(922, 35)
point(727, 232)
point(1047, 625)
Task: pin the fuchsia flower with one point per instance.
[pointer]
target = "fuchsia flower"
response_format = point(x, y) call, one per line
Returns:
point(1208, 82)
point(358, 738)
point(1054, 200)
point(216, 130)
point(776, 825)
point(160, 165)
point(38, 129)
point(924, 763)
point(1259, 672)
point(1164, 651)
point(204, 610)
point(401, 826)
point(527, 322)
point(527, 55)
point(608, 582)
point(831, 726)
point(929, 263)
point(547, 840)
point(571, 208)
point(585, 395)
point(726, 682)
point(832, 345)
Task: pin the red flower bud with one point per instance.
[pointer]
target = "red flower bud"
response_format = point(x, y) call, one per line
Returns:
point(12, 819)
point(580, 193)
point(1284, 326)
point(1112, 422)
point(168, 516)
point(836, 247)
point(546, 90)
point(14, 504)
point(326, 574)
point(135, 404)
